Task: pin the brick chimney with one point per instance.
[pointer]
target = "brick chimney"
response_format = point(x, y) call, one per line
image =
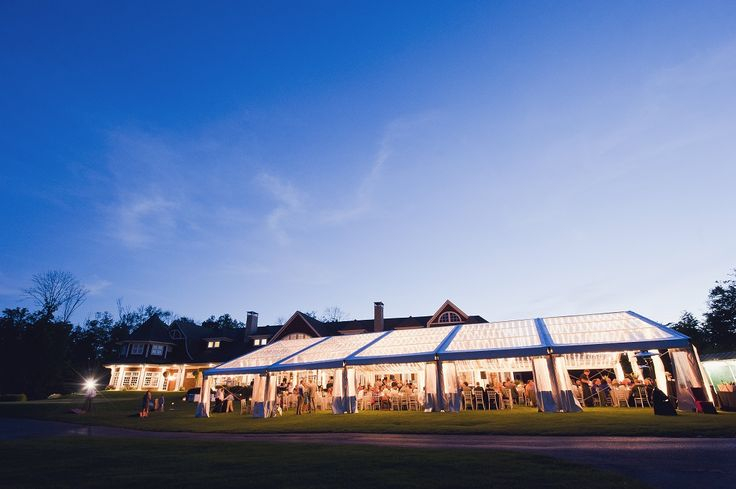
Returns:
point(377, 316)
point(251, 323)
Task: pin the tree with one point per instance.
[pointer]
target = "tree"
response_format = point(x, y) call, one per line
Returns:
point(690, 326)
point(57, 291)
point(34, 353)
point(720, 319)
point(333, 315)
point(132, 318)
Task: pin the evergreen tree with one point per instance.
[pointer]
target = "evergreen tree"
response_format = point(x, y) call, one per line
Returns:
point(690, 326)
point(720, 320)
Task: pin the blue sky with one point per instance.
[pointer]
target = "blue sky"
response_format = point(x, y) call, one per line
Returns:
point(520, 158)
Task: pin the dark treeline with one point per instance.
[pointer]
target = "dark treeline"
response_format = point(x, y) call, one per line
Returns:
point(716, 331)
point(41, 353)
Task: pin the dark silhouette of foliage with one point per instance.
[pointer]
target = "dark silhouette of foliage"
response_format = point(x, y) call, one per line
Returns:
point(720, 319)
point(222, 322)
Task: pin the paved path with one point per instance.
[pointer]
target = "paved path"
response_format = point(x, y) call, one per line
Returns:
point(660, 462)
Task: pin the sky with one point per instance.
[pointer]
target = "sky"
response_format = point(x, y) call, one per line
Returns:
point(522, 159)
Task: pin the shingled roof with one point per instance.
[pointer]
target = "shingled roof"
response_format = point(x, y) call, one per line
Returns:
point(152, 330)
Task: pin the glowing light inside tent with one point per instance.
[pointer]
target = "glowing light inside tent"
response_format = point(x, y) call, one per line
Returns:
point(496, 336)
point(270, 354)
point(615, 327)
point(408, 342)
point(334, 348)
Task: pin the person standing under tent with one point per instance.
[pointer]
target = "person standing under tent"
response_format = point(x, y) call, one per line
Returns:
point(219, 400)
point(229, 402)
point(312, 388)
point(531, 393)
point(585, 384)
point(301, 393)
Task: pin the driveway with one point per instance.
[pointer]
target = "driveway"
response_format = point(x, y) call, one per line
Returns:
point(660, 462)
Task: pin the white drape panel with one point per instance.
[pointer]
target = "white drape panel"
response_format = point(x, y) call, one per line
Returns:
point(430, 384)
point(256, 402)
point(619, 371)
point(543, 385)
point(687, 375)
point(703, 375)
point(269, 395)
point(634, 365)
point(338, 391)
point(351, 391)
point(659, 376)
point(421, 385)
point(450, 387)
point(567, 400)
point(203, 408)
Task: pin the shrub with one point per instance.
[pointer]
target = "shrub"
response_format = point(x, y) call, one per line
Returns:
point(13, 398)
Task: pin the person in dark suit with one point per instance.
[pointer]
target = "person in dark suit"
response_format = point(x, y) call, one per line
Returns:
point(587, 392)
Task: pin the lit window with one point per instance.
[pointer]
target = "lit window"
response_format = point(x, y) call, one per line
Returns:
point(449, 317)
point(260, 341)
point(213, 344)
point(151, 379)
point(130, 378)
point(157, 350)
point(137, 349)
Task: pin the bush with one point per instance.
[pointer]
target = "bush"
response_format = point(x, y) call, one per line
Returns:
point(13, 398)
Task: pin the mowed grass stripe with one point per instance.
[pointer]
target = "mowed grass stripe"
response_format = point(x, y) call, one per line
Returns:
point(112, 463)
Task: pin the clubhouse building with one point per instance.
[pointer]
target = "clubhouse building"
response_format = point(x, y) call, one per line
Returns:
point(161, 357)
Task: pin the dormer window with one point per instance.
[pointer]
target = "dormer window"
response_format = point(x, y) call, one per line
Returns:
point(137, 349)
point(175, 334)
point(449, 317)
point(157, 350)
point(213, 344)
point(260, 341)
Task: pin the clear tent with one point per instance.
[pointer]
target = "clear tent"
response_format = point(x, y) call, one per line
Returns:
point(592, 341)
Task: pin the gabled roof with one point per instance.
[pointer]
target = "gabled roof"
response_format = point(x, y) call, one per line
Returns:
point(152, 330)
point(333, 328)
point(447, 306)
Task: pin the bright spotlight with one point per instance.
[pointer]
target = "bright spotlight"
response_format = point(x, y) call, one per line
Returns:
point(89, 384)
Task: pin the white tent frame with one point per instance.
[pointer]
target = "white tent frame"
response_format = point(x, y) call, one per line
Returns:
point(541, 337)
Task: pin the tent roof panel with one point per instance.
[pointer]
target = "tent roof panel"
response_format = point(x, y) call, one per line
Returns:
point(599, 329)
point(407, 342)
point(333, 348)
point(495, 336)
point(270, 354)
point(608, 332)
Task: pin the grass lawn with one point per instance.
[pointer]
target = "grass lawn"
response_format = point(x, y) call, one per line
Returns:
point(107, 463)
point(119, 408)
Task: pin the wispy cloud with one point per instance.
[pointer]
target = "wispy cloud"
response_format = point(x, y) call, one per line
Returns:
point(289, 202)
point(362, 202)
point(97, 286)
